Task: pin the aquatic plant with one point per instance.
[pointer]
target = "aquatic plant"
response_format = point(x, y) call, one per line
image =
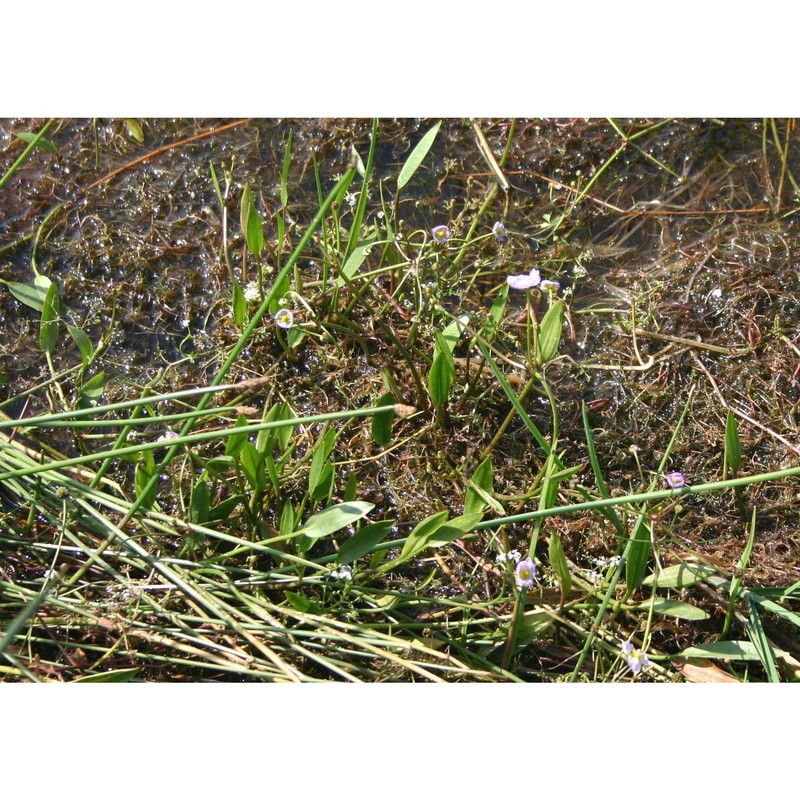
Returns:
point(433, 477)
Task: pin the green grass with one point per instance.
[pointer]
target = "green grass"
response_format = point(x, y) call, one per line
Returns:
point(329, 501)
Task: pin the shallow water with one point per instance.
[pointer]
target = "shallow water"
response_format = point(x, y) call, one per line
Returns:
point(680, 224)
point(143, 245)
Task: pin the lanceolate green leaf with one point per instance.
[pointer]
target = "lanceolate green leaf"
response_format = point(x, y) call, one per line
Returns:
point(335, 518)
point(200, 502)
point(550, 333)
point(441, 377)
point(253, 466)
point(558, 561)
point(92, 390)
point(354, 262)
point(452, 333)
point(364, 541)
point(420, 534)
point(145, 469)
point(239, 306)
point(135, 130)
point(674, 608)
point(417, 156)
point(38, 141)
point(755, 630)
point(679, 576)
point(235, 442)
point(51, 312)
point(251, 223)
point(319, 460)
point(84, 344)
point(736, 650)
point(287, 160)
point(31, 295)
point(112, 676)
point(382, 423)
point(733, 445)
point(483, 480)
point(434, 531)
point(636, 563)
point(496, 313)
point(6, 177)
point(324, 485)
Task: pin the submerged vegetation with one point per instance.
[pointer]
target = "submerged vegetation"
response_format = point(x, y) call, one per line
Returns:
point(399, 400)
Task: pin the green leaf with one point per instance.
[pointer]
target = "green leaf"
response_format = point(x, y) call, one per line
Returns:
point(92, 390)
point(733, 445)
point(364, 540)
point(351, 488)
point(609, 512)
point(145, 470)
point(287, 160)
point(112, 676)
point(299, 602)
point(453, 529)
point(435, 531)
point(33, 295)
point(251, 223)
point(84, 344)
point(441, 377)
point(46, 144)
point(558, 561)
point(319, 465)
point(496, 313)
point(420, 534)
point(286, 525)
point(253, 466)
point(135, 130)
point(736, 650)
point(334, 518)
point(674, 608)
point(219, 465)
point(533, 625)
point(235, 442)
point(481, 485)
point(417, 156)
point(268, 439)
point(285, 432)
point(272, 472)
point(769, 605)
point(6, 177)
point(225, 508)
point(679, 576)
point(278, 292)
point(51, 314)
point(755, 630)
point(354, 262)
point(550, 333)
point(294, 336)
point(639, 552)
point(382, 423)
point(452, 333)
point(356, 159)
point(215, 181)
point(324, 484)
point(200, 503)
point(240, 310)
